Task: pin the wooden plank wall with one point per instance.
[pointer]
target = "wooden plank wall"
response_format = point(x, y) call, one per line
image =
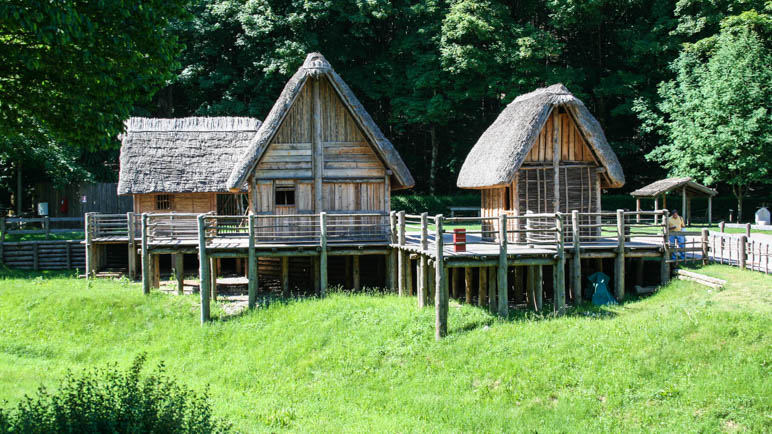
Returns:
point(573, 147)
point(180, 202)
point(577, 189)
point(101, 197)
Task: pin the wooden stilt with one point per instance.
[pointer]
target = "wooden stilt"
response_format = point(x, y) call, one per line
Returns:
point(156, 271)
point(146, 276)
point(531, 285)
point(357, 284)
point(213, 276)
point(323, 253)
point(468, 284)
point(538, 287)
point(252, 266)
point(179, 272)
point(401, 255)
point(482, 287)
point(421, 281)
point(502, 303)
point(619, 260)
point(517, 284)
point(285, 292)
point(560, 268)
point(203, 262)
point(576, 261)
point(132, 263)
point(441, 289)
point(664, 267)
point(456, 273)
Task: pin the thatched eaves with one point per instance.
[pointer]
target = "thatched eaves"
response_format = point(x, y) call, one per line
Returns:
point(502, 148)
point(185, 155)
point(667, 185)
point(316, 66)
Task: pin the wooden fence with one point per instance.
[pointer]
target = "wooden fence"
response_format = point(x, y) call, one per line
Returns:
point(740, 251)
point(44, 255)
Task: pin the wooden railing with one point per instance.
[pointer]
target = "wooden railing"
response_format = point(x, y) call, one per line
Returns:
point(40, 225)
point(739, 250)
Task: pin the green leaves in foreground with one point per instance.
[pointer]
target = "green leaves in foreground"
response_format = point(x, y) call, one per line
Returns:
point(110, 400)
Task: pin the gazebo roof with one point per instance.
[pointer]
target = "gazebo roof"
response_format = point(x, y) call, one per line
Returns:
point(667, 185)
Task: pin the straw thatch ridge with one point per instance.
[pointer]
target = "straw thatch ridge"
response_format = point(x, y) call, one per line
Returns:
point(667, 185)
point(502, 148)
point(185, 155)
point(316, 66)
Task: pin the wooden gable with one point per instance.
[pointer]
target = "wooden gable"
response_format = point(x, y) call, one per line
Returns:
point(573, 147)
point(347, 152)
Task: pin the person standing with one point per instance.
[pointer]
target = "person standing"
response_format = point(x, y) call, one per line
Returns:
point(676, 224)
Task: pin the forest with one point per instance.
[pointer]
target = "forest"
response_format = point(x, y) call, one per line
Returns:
point(681, 87)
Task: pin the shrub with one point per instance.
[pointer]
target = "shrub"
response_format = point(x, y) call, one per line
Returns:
point(110, 400)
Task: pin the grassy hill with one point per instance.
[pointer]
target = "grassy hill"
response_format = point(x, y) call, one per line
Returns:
point(685, 359)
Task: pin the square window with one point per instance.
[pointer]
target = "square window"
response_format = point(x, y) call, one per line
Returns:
point(163, 201)
point(285, 196)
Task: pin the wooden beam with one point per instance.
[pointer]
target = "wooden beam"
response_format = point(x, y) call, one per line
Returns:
point(503, 301)
point(538, 287)
point(441, 288)
point(213, 272)
point(355, 266)
point(468, 284)
point(619, 260)
point(203, 263)
point(482, 286)
point(179, 272)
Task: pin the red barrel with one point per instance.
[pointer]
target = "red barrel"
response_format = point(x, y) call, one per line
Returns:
point(459, 240)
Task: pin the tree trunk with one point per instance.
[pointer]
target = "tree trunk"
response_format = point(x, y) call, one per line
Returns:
point(433, 163)
point(739, 193)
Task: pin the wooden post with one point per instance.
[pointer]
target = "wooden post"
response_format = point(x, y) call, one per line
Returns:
point(203, 266)
point(401, 260)
point(638, 209)
point(482, 287)
point(468, 284)
point(576, 269)
point(517, 274)
point(748, 230)
point(743, 254)
point(355, 266)
point(684, 212)
point(530, 285)
point(132, 246)
point(538, 287)
point(656, 208)
point(179, 272)
point(318, 275)
point(493, 290)
point(503, 286)
point(455, 273)
point(285, 292)
point(710, 210)
point(391, 259)
point(560, 268)
point(619, 262)
point(145, 257)
point(423, 269)
point(441, 288)
point(90, 245)
point(323, 253)
point(705, 246)
point(47, 226)
point(664, 267)
point(252, 266)
point(213, 272)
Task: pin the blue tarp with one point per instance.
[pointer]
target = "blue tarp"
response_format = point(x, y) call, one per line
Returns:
point(600, 296)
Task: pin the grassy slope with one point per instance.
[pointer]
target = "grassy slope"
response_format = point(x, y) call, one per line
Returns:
point(686, 359)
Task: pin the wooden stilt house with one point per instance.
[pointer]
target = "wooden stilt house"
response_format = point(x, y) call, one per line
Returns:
point(544, 153)
point(319, 150)
point(181, 165)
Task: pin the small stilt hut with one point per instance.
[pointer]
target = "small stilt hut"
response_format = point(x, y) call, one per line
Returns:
point(181, 165)
point(544, 153)
point(688, 189)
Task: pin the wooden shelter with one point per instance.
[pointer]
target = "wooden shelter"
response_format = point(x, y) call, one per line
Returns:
point(319, 150)
point(688, 188)
point(544, 153)
point(181, 165)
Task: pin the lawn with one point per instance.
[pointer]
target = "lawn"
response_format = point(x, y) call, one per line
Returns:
point(686, 359)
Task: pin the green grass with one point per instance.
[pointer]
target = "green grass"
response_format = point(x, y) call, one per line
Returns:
point(686, 359)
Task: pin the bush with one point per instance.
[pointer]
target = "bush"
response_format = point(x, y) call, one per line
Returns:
point(433, 204)
point(109, 400)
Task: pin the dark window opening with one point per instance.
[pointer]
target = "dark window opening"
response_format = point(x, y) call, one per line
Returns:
point(163, 201)
point(508, 199)
point(285, 196)
point(232, 204)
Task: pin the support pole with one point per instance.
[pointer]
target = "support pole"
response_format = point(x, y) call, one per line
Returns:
point(684, 211)
point(423, 268)
point(203, 264)
point(441, 288)
point(89, 245)
point(710, 210)
point(401, 259)
point(503, 300)
point(145, 257)
point(638, 209)
point(560, 268)
point(355, 266)
point(391, 260)
point(132, 246)
point(493, 290)
point(323, 253)
point(285, 277)
point(482, 287)
point(455, 277)
point(705, 252)
point(538, 286)
point(213, 272)
point(664, 267)
point(743, 251)
point(179, 272)
point(619, 262)
point(252, 266)
point(530, 285)
point(576, 269)
point(468, 284)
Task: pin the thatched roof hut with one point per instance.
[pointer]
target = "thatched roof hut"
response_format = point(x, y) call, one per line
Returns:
point(185, 155)
point(501, 150)
point(684, 185)
point(317, 67)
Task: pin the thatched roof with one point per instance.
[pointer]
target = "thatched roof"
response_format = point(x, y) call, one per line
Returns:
point(185, 155)
point(667, 185)
point(316, 66)
point(502, 148)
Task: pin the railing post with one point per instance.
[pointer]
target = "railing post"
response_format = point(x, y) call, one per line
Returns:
point(705, 252)
point(203, 266)
point(323, 253)
point(47, 226)
point(576, 268)
point(423, 273)
point(89, 244)
point(401, 262)
point(391, 258)
point(743, 252)
point(664, 266)
point(252, 266)
point(503, 301)
point(560, 267)
point(441, 288)
point(721, 226)
point(145, 257)
point(132, 246)
point(748, 230)
point(619, 262)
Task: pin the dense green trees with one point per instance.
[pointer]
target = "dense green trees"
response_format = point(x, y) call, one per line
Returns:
point(715, 113)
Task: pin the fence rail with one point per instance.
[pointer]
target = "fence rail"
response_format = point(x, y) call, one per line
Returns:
point(38, 225)
point(43, 255)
